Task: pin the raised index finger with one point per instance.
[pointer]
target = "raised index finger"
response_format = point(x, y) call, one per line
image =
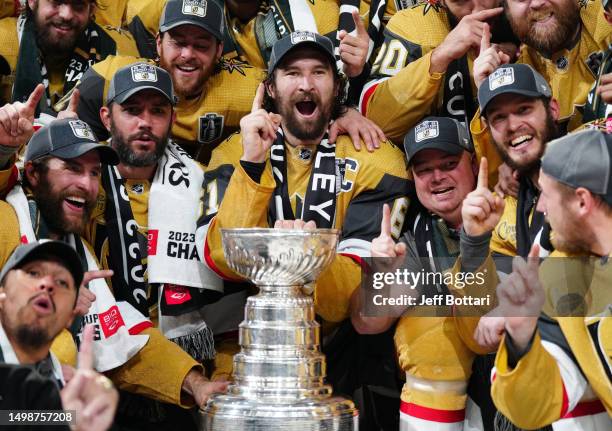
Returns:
point(259, 97)
point(385, 224)
point(483, 173)
point(34, 98)
point(85, 360)
point(359, 25)
point(485, 41)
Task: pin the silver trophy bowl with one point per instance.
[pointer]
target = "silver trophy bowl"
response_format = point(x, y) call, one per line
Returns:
point(279, 374)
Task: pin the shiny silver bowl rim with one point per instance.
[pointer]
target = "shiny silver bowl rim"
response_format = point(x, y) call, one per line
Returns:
point(274, 232)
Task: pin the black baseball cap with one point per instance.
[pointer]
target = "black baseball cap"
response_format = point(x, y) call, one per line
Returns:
point(206, 14)
point(68, 139)
point(136, 77)
point(582, 159)
point(42, 249)
point(438, 133)
point(284, 46)
point(515, 79)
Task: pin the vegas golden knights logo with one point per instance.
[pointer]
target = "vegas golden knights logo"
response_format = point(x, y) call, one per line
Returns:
point(210, 128)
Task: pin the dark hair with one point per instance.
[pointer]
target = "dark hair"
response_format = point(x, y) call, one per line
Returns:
point(40, 165)
point(341, 82)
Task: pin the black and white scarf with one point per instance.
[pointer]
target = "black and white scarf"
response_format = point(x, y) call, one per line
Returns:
point(92, 46)
point(320, 198)
point(278, 18)
point(167, 262)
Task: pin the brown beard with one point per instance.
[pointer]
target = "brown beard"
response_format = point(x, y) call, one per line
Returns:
point(50, 206)
point(130, 158)
point(305, 131)
point(547, 42)
point(196, 88)
point(549, 133)
point(60, 48)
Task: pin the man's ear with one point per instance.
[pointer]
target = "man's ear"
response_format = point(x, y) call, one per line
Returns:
point(270, 89)
point(31, 174)
point(555, 111)
point(219, 52)
point(105, 116)
point(586, 201)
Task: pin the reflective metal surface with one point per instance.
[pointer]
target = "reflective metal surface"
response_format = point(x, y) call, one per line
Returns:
point(279, 373)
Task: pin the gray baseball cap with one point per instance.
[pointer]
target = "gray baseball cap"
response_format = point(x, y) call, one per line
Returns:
point(438, 133)
point(42, 249)
point(68, 139)
point(582, 159)
point(605, 3)
point(515, 79)
point(284, 46)
point(136, 77)
point(206, 14)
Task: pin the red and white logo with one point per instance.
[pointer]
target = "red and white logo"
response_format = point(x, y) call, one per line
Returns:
point(176, 294)
point(152, 242)
point(111, 321)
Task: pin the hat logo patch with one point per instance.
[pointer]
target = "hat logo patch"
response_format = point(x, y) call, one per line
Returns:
point(426, 130)
point(194, 7)
point(501, 77)
point(144, 72)
point(302, 36)
point(81, 130)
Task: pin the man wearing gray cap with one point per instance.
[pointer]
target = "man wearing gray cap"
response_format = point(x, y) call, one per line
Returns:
point(213, 94)
point(441, 158)
point(38, 292)
point(143, 229)
point(552, 367)
point(282, 169)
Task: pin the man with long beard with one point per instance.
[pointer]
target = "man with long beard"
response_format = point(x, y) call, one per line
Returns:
point(214, 92)
point(143, 228)
point(54, 42)
point(282, 167)
point(553, 365)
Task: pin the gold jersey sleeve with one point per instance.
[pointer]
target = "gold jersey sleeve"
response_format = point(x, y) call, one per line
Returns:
point(402, 90)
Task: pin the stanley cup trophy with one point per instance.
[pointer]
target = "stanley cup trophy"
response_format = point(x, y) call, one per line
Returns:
point(279, 373)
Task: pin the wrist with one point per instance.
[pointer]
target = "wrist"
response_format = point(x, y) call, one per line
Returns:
point(439, 60)
point(521, 332)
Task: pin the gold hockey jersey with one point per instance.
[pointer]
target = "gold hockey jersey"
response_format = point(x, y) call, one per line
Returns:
point(565, 376)
point(365, 181)
point(240, 38)
point(569, 72)
point(402, 90)
point(201, 123)
point(9, 51)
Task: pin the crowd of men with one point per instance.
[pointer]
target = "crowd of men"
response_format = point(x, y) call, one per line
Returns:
point(464, 137)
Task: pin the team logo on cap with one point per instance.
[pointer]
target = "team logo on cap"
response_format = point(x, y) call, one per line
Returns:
point(144, 72)
point(302, 36)
point(426, 130)
point(80, 129)
point(501, 77)
point(194, 7)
